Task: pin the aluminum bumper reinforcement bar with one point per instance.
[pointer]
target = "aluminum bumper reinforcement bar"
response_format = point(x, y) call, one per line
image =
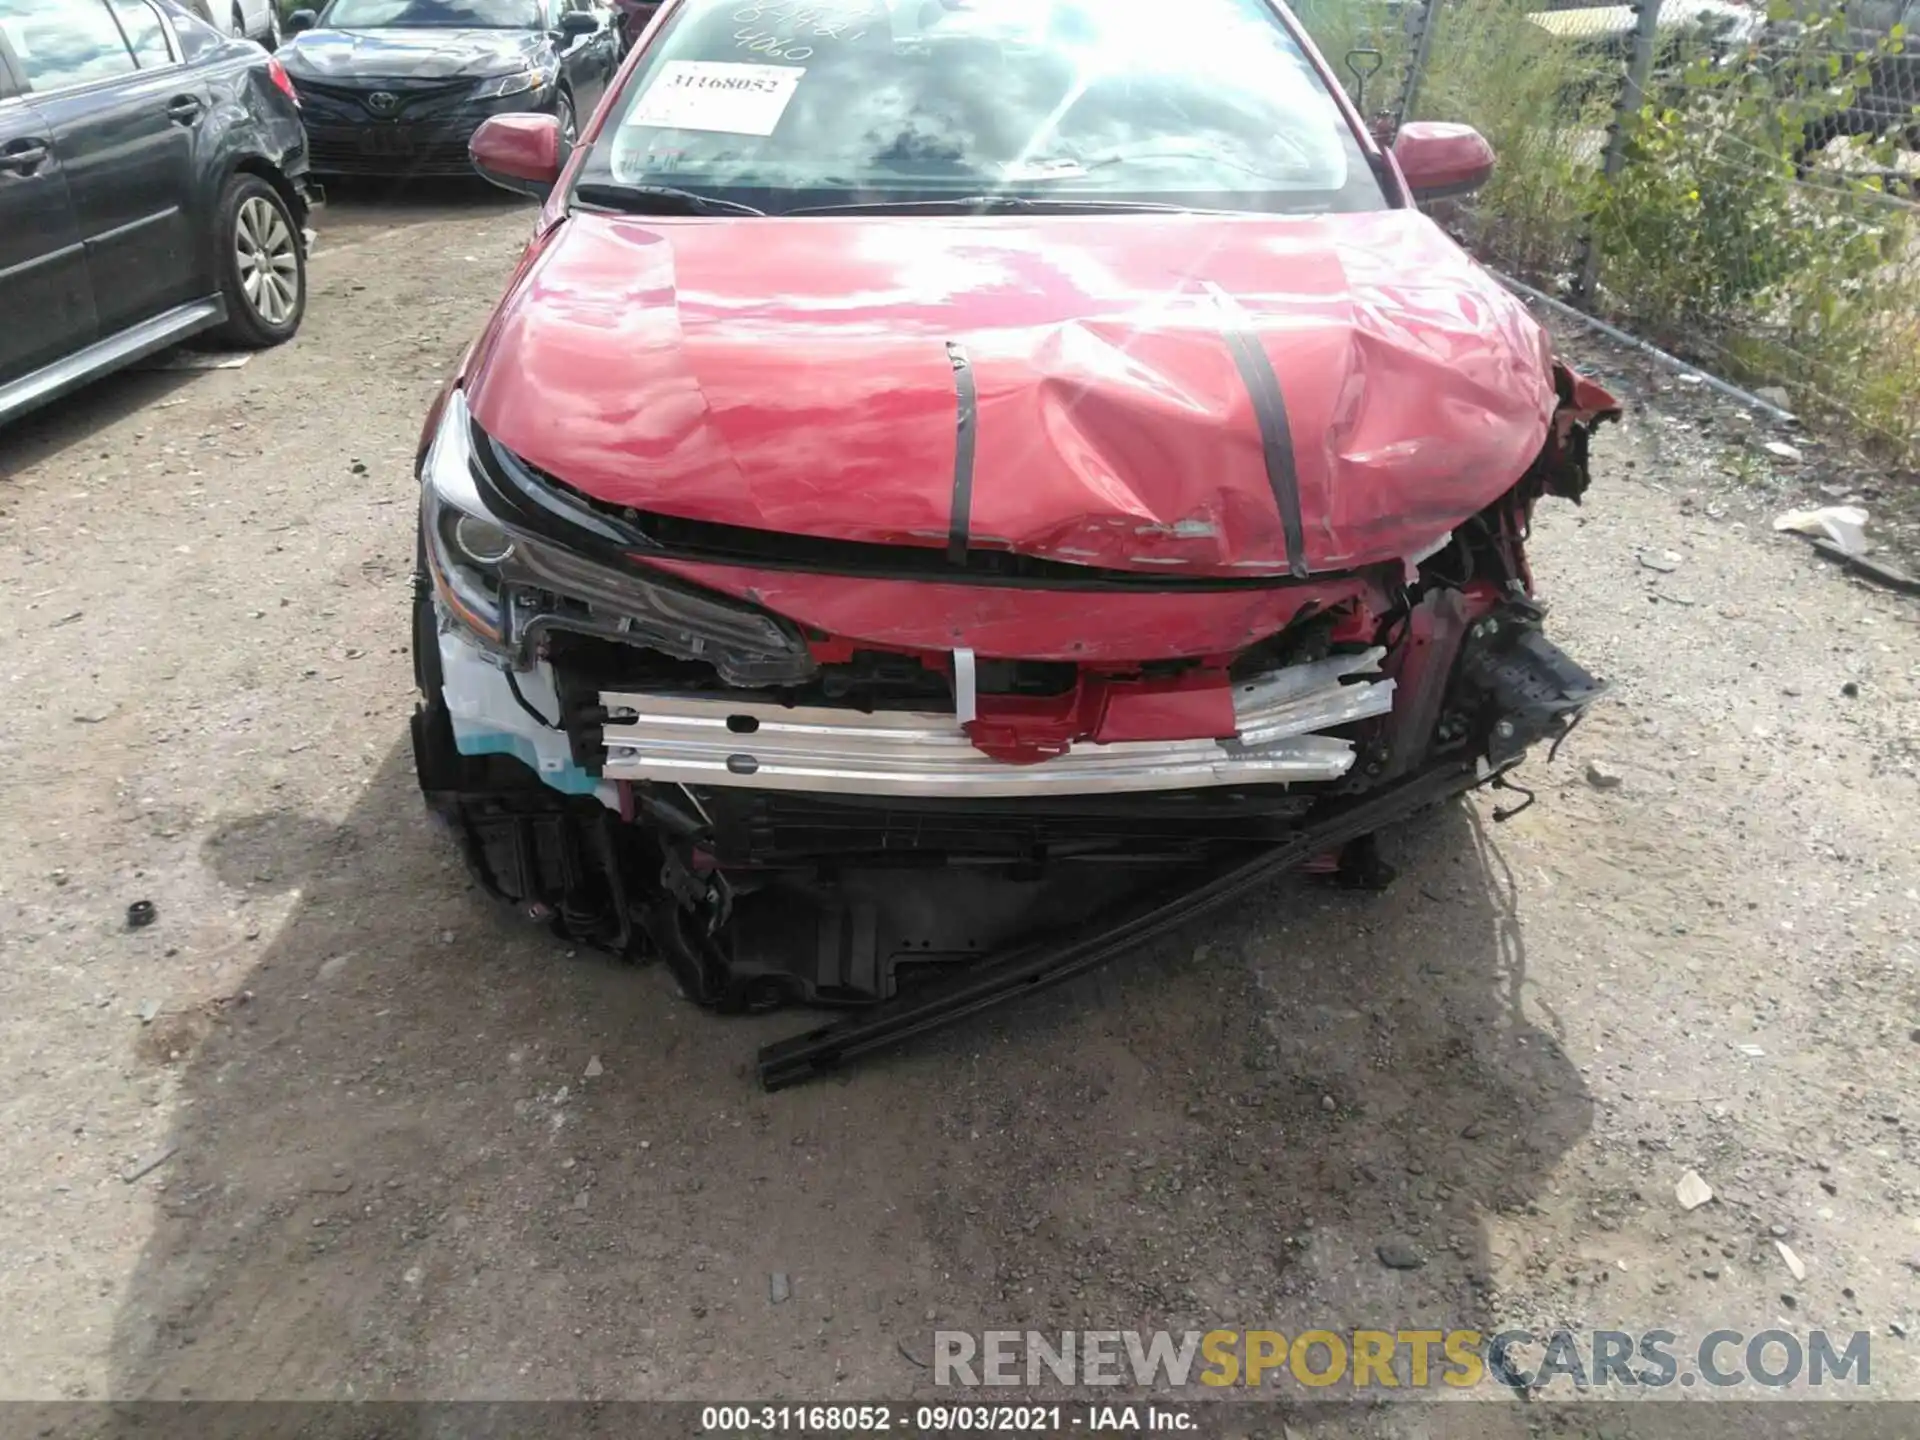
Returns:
point(1036, 965)
point(751, 744)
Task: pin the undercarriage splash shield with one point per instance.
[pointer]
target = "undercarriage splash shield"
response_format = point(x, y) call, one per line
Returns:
point(1050, 960)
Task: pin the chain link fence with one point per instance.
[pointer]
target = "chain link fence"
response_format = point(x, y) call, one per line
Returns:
point(1382, 49)
point(1733, 183)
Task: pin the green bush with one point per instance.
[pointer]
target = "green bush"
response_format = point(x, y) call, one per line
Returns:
point(1342, 27)
point(1711, 238)
point(1719, 235)
point(1707, 217)
point(1544, 104)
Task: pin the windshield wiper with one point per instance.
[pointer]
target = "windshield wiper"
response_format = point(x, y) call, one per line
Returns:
point(992, 204)
point(657, 200)
point(1071, 167)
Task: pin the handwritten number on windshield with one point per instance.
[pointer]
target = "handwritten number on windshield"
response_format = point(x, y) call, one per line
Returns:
point(774, 47)
point(796, 23)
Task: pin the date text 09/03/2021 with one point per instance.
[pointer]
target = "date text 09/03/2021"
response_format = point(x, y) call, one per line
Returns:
point(946, 1419)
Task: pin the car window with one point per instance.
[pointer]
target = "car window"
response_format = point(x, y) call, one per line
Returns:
point(196, 37)
point(434, 14)
point(140, 23)
point(62, 43)
point(1211, 101)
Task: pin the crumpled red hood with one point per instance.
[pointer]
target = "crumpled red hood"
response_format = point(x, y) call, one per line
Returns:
point(795, 375)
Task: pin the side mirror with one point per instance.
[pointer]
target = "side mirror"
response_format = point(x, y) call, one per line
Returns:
point(577, 23)
point(1442, 161)
point(520, 153)
point(301, 20)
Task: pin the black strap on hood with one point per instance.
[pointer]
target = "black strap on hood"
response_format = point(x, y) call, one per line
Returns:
point(1270, 411)
point(960, 515)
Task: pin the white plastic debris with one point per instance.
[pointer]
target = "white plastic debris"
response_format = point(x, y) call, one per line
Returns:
point(1845, 525)
point(1795, 1265)
point(195, 360)
point(1784, 451)
point(1692, 1192)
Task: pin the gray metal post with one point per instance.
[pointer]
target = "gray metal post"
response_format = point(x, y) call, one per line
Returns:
point(1428, 12)
point(1633, 89)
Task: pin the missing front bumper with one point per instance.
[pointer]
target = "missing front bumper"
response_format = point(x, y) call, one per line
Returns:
point(860, 898)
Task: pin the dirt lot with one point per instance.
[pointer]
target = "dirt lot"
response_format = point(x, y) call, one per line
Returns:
point(384, 1169)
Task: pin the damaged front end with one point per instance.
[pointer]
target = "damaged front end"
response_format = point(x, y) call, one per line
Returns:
point(685, 741)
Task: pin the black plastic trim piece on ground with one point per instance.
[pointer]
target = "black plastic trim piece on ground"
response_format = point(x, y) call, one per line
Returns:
point(1034, 967)
point(1873, 570)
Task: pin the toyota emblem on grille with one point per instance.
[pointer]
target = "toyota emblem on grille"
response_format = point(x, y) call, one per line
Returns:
point(382, 102)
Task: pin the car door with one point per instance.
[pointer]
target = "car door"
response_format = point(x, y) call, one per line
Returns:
point(258, 16)
point(123, 111)
point(589, 60)
point(46, 310)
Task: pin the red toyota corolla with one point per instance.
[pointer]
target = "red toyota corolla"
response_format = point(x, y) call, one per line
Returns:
point(955, 488)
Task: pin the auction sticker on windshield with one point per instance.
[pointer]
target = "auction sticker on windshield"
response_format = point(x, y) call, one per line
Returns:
point(718, 95)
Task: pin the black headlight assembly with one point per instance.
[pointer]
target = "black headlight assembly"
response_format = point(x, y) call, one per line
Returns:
point(506, 582)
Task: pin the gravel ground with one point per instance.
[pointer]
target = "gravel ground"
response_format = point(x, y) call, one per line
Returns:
point(395, 1144)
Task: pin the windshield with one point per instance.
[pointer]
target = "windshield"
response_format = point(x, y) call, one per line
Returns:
point(789, 104)
point(433, 14)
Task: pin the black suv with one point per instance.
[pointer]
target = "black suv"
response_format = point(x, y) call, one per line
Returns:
point(152, 186)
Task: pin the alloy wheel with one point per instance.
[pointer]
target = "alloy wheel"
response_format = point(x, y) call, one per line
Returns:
point(263, 247)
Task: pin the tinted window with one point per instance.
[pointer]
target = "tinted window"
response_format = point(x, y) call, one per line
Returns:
point(141, 25)
point(1207, 101)
point(435, 14)
point(64, 42)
